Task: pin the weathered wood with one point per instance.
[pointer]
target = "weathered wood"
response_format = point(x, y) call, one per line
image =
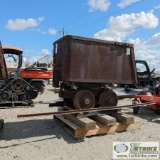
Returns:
point(105, 119)
point(106, 129)
point(67, 122)
point(124, 118)
point(84, 122)
point(81, 132)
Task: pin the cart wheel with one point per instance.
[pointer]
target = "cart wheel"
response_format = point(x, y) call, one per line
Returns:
point(108, 98)
point(135, 109)
point(84, 99)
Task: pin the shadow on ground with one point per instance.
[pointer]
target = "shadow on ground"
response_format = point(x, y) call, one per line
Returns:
point(35, 128)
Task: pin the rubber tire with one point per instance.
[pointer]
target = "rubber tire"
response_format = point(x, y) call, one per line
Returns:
point(38, 86)
point(135, 110)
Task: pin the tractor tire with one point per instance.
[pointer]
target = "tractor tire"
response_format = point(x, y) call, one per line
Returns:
point(135, 110)
point(38, 86)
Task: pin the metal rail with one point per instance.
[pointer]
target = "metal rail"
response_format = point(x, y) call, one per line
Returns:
point(82, 110)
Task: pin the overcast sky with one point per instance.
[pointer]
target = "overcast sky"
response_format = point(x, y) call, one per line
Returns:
point(35, 25)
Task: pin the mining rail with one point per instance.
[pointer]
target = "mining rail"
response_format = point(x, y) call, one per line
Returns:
point(65, 112)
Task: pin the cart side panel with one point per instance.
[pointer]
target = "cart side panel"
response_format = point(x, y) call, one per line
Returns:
point(61, 61)
point(93, 61)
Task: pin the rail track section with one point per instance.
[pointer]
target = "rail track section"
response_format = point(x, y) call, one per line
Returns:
point(65, 112)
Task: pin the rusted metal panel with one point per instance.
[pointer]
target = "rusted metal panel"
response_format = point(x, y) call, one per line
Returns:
point(79, 59)
point(3, 69)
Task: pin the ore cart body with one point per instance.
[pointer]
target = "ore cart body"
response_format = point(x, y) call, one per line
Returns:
point(83, 67)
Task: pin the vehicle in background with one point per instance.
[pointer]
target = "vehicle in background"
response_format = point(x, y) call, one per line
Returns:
point(147, 82)
point(38, 77)
point(41, 69)
point(14, 88)
point(146, 77)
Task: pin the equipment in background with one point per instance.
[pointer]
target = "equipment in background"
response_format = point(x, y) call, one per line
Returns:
point(37, 77)
point(39, 73)
point(14, 89)
point(148, 96)
point(147, 80)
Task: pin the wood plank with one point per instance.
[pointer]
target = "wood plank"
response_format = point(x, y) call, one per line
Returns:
point(106, 129)
point(84, 122)
point(83, 127)
point(67, 122)
point(124, 118)
point(105, 119)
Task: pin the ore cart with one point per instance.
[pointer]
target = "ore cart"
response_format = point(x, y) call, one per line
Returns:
point(84, 66)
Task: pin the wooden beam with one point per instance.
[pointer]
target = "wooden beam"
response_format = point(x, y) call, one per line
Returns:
point(106, 129)
point(79, 127)
point(124, 118)
point(67, 122)
point(84, 122)
point(105, 119)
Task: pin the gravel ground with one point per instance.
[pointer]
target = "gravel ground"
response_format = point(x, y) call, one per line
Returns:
point(43, 138)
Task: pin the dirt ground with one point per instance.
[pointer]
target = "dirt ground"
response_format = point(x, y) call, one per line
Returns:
point(43, 138)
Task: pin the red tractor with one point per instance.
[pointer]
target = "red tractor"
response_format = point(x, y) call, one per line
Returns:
point(35, 76)
point(14, 88)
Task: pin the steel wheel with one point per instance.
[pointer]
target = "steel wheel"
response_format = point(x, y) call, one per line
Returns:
point(84, 99)
point(22, 97)
point(108, 98)
point(18, 85)
point(14, 98)
point(4, 96)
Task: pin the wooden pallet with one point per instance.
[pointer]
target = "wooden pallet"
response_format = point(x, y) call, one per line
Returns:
point(97, 124)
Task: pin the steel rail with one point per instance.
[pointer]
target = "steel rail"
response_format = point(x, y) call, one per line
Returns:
point(82, 110)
